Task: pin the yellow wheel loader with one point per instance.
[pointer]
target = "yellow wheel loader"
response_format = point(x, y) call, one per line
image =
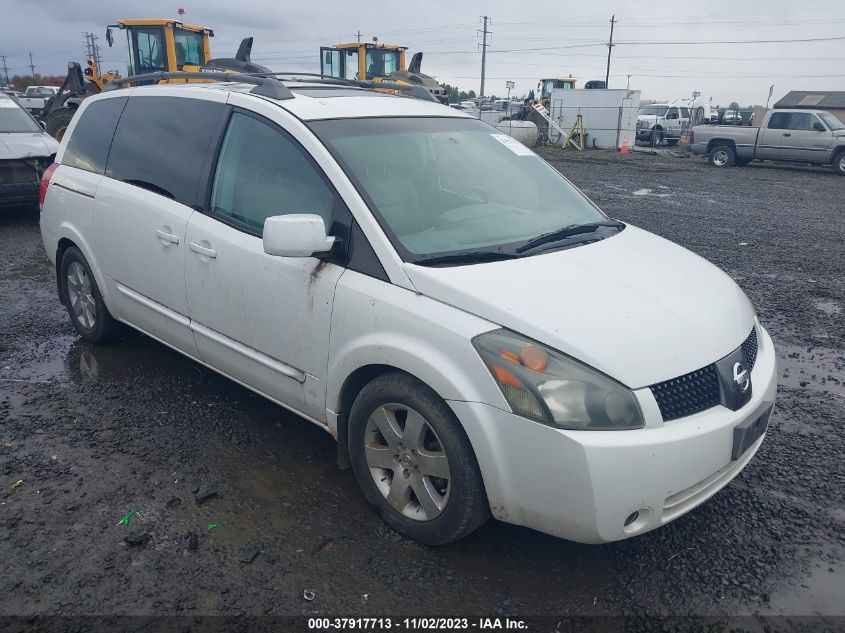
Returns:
point(377, 62)
point(156, 45)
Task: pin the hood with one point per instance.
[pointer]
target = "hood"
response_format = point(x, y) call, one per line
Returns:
point(634, 306)
point(27, 145)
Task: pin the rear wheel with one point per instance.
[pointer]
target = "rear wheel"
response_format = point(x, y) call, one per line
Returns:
point(83, 300)
point(722, 156)
point(414, 462)
point(839, 163)
point(57, 122)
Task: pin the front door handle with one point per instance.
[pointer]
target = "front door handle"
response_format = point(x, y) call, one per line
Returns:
point(787, 134)
point(204, 250)
point(166, 237)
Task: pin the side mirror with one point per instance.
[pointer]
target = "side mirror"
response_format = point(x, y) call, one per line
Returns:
point(109, 37)
point(818, 127)
point(296, 235)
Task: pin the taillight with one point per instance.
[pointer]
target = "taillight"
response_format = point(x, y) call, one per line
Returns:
point(691, 137)
point(45, 182)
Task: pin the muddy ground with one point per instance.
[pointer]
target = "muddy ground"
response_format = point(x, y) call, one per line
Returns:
point(94, 433)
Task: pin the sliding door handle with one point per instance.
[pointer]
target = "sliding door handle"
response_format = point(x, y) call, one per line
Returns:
point(203, 248)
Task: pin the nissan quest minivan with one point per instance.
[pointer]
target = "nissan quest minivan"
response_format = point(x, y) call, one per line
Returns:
point(475, 333)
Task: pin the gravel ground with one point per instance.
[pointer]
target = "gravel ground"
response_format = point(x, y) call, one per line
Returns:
point(94, 433)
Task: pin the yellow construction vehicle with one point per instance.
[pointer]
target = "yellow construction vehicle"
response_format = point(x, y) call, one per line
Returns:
point(545, 86)
point(374, 61)
point(154, 45)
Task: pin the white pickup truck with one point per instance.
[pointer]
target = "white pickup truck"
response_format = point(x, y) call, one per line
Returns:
point(35, 98)
point(800, 136)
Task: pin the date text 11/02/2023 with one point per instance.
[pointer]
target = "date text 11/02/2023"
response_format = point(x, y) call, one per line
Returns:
point(416, 623)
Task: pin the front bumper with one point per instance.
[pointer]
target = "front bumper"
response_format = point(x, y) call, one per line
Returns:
point(582, 485)
point(19, 180)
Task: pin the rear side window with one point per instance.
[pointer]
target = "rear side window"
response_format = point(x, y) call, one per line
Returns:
point(88, 146)
point(780, 121)
point(161, 144)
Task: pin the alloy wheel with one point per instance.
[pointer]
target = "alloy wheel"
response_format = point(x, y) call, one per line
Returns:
point(407, 462)
point(81, 295)
point(720, 158)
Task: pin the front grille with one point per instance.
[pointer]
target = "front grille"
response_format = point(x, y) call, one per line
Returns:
point(18, 172)
point(697, 390)
point(749, 348)
point(687, 394)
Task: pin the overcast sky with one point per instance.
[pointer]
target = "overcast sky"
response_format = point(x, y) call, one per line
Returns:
point(659, 41)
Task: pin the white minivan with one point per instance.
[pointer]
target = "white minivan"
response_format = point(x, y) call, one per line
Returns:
point(476, 334)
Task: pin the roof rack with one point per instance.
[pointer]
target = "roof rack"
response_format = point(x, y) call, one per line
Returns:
point(268, 84)
point(265, 86)
point(418, 92)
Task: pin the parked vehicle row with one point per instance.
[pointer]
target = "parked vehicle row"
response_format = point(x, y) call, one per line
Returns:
point(35, 98)
point(477, 335)
point(801, 136)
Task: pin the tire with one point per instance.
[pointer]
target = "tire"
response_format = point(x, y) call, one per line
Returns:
point(839, 162)
point(671, 142)
point(722, 156)
point(655, 138)
point(57, 122)
point(81, 296)
point(450, 507)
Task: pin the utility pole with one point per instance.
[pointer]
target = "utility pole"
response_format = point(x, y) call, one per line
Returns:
point(609, 49)
point(31, 65)
point(5, 69)
point(484, 46)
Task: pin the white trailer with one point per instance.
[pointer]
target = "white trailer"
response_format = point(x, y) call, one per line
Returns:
point(609, 116)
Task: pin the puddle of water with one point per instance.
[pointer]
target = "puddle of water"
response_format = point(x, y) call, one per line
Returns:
point(818, 368)
point(820, 593)
point(648, 192)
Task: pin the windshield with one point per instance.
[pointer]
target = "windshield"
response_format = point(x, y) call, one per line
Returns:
point(831, 121)
point(13, 118)
point(441, 185)
point(653, 111)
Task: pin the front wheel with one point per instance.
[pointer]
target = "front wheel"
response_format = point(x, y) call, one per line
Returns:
point(722, 156)
point(656, 138)
point(58, 121)
point(414, 462)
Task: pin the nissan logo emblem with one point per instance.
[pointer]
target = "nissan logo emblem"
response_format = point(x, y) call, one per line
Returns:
point(741, 377)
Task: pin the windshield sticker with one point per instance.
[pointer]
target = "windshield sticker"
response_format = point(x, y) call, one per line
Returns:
point(513, 145)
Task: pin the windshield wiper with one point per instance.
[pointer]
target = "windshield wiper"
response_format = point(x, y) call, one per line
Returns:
point(472, 257)
point(565, 232)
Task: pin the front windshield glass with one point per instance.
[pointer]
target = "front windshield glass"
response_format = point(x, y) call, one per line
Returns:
point(13, 118)
point(441, 185)
point(831, 121)
point(381, 63)
point(654, 111)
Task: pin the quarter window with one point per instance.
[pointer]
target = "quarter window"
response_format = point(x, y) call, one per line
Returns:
point(262, 172)
point(88, 146)
point(161, 143)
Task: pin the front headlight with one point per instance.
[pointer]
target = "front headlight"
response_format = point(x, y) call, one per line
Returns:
point(645, 124)
point(547, 386)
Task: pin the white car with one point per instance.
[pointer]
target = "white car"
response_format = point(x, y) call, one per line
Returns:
point(477, 335)
point(26, 150)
